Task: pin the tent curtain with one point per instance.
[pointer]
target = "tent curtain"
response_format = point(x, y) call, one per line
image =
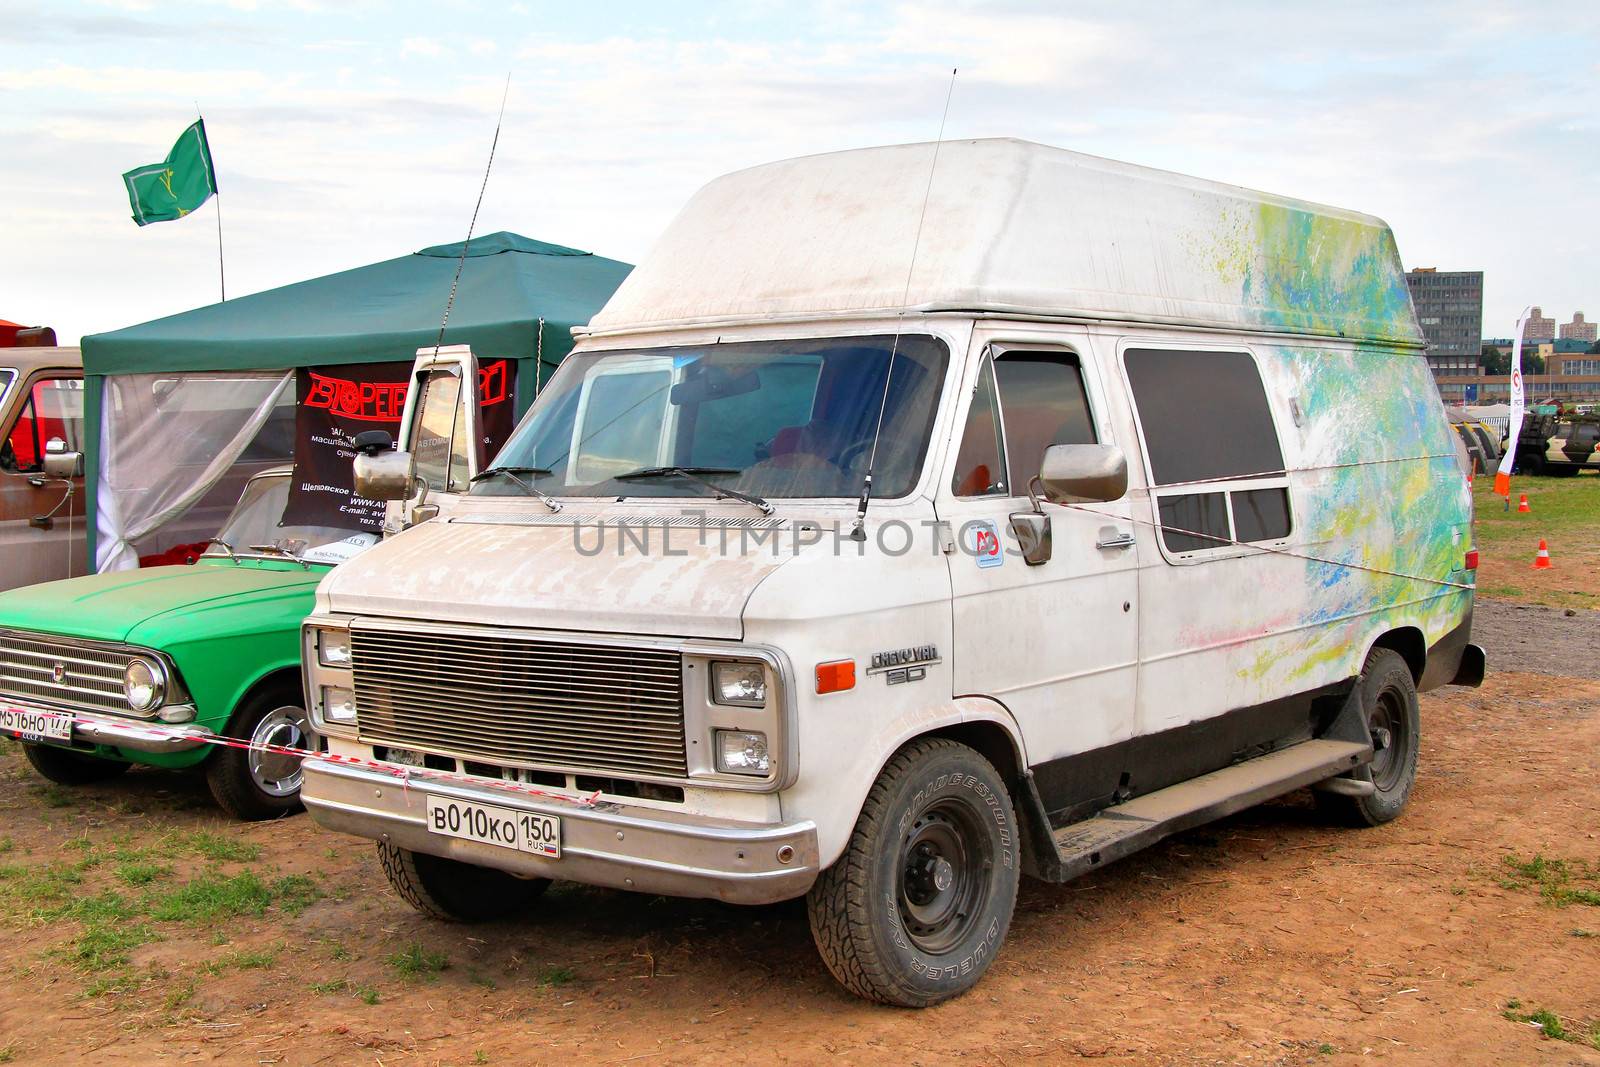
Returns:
point(165, 440)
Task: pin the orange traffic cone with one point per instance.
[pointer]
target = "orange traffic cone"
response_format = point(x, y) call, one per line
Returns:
point(1522, 503)
point(1541, 562)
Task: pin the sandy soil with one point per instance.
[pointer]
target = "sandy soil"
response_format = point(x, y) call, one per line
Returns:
point(1269, 938)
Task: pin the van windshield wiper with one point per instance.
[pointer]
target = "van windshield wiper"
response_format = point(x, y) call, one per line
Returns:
point(511, 473)
point(694, 475)
point(225, 547)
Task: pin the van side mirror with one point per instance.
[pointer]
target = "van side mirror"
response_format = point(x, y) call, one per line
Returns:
point(381, 473)
point(371, 442)
point(59, 462)
point(1083, 474)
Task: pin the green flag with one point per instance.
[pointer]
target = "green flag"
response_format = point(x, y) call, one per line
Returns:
point(178, 184)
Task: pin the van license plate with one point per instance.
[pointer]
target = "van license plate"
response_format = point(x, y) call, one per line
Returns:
point(525, 831)
point(36, 725)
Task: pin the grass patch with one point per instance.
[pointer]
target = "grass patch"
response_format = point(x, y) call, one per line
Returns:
point(323, 989)
point(178, 997)
point(211, 897)
point(137, 873)
point(53, 796)
point(416, 962)
point(1551, 1025)
point(244, 960)
point(217, 848)
point(1561, 882)
point(557, 976)
point(1563, 511)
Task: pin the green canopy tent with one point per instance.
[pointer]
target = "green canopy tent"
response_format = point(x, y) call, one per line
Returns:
point(518, 299)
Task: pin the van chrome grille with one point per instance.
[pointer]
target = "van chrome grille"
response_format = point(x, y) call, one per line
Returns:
point(507, 698)
point(90, 676)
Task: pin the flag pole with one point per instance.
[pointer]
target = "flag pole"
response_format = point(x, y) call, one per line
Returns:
point(222, 274)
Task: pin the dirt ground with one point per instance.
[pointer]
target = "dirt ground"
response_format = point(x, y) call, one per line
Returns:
point(140, 927)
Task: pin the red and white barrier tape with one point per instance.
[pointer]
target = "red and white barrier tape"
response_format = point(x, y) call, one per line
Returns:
point(403, 773)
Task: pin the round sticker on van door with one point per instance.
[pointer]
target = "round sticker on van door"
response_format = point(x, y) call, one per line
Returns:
point(981, 540)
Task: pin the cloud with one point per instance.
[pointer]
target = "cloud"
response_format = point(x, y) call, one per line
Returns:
point(344, 135)
point(425, 47)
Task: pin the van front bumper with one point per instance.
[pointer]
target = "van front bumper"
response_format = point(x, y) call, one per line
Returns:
point(648, 850)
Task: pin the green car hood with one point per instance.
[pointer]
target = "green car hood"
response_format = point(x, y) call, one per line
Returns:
point(151, 606)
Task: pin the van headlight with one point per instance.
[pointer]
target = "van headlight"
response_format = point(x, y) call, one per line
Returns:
point(338, 704)
point(743, 752)
point(144, 684)
point(333, 648)
point(740, 684)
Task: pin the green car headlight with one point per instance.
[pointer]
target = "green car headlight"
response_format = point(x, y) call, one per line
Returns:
point(144, 683)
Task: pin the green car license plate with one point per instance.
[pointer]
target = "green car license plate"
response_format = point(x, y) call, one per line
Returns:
point(34, 724)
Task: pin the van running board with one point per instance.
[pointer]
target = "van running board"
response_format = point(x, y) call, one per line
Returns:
point(1119, 831)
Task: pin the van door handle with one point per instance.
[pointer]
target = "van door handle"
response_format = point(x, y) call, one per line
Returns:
point(1119, 540)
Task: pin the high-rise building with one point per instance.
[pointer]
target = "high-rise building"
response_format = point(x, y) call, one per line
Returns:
point(1539, 328)
point(1449, 306)
point(1579, 330)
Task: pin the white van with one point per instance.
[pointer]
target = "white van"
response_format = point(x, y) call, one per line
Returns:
point(881, 561)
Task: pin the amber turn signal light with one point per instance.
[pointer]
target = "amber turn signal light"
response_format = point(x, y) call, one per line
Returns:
point(836, 676)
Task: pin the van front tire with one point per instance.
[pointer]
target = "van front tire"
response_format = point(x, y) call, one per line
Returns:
point(71, 768)
point(453, 891)
point(915, 910)
point(1389, 699)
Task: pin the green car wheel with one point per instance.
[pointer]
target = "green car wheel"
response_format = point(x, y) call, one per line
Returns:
point(257, 783)
point(69, 768)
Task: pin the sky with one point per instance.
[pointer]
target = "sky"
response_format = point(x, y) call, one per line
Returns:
point(349, 131)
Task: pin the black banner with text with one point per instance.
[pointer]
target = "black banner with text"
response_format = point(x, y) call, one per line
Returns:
point(334, 403)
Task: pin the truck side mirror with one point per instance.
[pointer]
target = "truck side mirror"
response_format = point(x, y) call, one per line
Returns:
point(381, 473)
point(1083, 474)
point(61, 463)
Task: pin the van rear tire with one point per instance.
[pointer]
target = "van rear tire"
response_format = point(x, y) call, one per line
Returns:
point(1389, 700)
point(915, 910)
point(453, 891)
point(65, 767)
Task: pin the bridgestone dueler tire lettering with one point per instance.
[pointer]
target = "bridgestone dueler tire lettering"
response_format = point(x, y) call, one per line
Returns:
point(453, 891)
point(853, 909)
point(1385, 670)
point(71, 768)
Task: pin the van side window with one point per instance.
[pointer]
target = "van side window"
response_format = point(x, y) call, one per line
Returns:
point(1042, 403)
point(981, 465)
point(1206, 425)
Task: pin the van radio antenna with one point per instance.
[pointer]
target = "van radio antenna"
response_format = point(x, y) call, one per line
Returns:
point(461, 263)
point(859, 532)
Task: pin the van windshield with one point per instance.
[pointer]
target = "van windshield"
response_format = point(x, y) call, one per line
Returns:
point(769, 418)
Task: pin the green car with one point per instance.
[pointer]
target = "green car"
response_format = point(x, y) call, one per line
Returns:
point(149, 666)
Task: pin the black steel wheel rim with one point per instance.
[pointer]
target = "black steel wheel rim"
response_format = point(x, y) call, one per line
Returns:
point(1388, 726)
point(944, 871)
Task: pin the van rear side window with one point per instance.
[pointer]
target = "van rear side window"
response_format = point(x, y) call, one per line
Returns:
point(1207, 425)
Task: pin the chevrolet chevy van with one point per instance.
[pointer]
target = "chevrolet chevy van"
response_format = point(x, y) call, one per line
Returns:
point(881, 552)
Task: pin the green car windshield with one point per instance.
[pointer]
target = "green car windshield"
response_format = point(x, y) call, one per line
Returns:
point(791, 418)
point(256, 529)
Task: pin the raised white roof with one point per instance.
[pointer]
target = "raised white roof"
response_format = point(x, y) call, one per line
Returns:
point(1014, 227)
